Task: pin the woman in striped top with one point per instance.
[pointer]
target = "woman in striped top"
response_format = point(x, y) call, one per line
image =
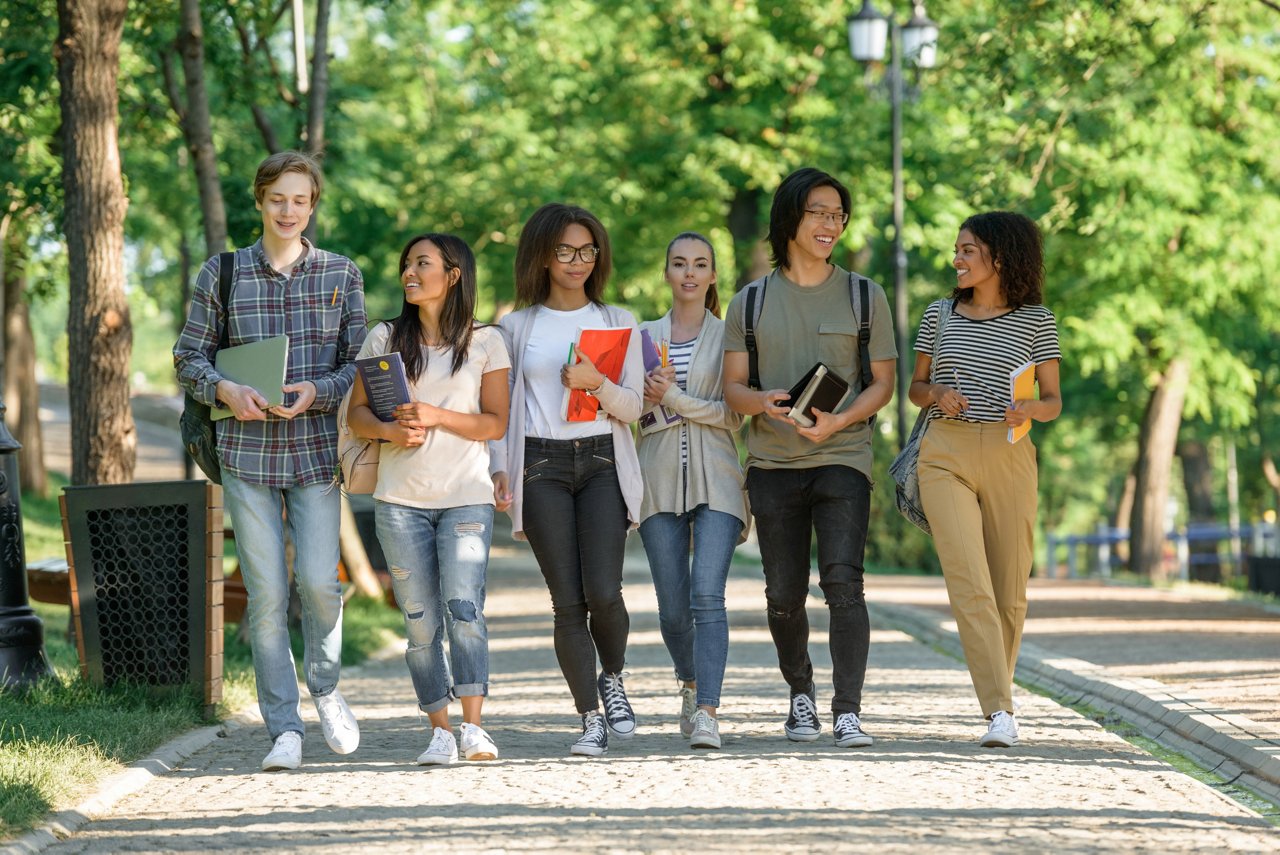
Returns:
point(693, 512)
point(978, 488)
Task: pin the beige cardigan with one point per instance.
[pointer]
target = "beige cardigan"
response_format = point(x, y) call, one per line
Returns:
point(714, 475)
point(622, 401)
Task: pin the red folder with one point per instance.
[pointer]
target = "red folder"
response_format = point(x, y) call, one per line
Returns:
point(607, 349)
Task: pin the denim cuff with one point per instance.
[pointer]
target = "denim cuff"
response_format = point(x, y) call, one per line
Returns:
point(471, 690)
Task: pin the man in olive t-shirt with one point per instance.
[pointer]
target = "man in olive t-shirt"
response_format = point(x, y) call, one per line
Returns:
point(817, 478)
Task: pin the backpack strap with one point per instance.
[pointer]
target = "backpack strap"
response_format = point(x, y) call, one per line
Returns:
point(752, 317)
point(226, 275)
point(861, 304)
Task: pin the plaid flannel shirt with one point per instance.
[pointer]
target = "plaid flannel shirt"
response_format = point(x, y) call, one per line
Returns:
point(320, 306)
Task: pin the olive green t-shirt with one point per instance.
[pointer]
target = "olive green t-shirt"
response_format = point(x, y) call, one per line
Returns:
point(798, 327)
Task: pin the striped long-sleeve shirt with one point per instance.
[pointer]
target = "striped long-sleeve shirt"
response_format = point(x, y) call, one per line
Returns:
point(319, 304)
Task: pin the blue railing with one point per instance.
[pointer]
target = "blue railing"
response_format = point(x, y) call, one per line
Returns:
point(1100, 554)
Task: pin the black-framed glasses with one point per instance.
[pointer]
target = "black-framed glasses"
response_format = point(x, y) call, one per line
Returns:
point(830, 218)
point(565, 253)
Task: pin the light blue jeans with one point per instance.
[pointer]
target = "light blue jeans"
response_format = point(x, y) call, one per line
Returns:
point(313, 515)
point(691, 611)
point(438, 559)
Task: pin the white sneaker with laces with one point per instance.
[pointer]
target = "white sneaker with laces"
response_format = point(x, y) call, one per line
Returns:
point(688, 706)
point(286, 753)
point(338, 722)
point(1002, 732)
point(442, 751)
point(706, 731)
point(476, 744)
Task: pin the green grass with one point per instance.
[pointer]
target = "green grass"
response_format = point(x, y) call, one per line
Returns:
point(58, 739)
point(42, 522)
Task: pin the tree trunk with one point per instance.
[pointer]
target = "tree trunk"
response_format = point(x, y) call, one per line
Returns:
point(318, 97)
point(197, 128)
point(99, 330)
point(354, 556)
point(1197, 480)
point(750, 252)
point(1124, 512)
point(1155, 458)
point(21, 392)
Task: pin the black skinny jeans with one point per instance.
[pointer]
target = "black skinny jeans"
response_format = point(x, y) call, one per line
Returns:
point(789, 504)
point(576, 522)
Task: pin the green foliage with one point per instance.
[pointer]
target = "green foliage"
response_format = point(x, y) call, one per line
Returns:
point(1139, 134)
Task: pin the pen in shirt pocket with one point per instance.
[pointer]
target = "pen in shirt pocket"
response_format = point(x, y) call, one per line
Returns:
point(334, 301)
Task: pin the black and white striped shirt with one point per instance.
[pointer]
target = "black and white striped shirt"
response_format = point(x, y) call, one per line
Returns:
point(975, 357)
point(679, 353)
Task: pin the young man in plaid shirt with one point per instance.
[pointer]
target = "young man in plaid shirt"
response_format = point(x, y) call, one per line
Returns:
point(282, 458)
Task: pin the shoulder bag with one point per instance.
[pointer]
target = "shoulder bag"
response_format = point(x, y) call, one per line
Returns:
point(903, 468)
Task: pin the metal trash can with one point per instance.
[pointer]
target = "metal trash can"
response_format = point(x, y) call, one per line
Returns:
point(146, 583)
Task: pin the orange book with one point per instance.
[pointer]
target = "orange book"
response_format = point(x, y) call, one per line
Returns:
point(1022, 387)
point(606, 347)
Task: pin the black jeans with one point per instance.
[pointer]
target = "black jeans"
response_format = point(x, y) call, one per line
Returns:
point(788, 505)
point(576, 522)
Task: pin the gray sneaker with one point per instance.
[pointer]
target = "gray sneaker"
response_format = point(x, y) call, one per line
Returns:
point(706, 731)
point(595, 738)
point(688, 705)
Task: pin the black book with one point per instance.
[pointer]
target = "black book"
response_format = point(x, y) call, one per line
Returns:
point(385, 384)
point(822, 389)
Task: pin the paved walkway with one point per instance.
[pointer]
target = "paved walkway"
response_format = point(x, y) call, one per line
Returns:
point(924, 787)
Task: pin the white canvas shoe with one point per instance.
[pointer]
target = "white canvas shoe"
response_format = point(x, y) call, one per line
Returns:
point(1002, 732)
point(338, 722)
point(476, 744)
point(286, 753)
point(442, 751)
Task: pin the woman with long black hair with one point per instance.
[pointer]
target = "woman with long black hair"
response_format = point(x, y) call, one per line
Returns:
point(434, 501)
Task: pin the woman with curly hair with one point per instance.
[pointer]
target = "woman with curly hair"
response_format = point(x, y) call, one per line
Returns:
point(977, 488)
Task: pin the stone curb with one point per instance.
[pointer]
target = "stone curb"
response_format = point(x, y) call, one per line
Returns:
point(1236, 748)
point(59, 826)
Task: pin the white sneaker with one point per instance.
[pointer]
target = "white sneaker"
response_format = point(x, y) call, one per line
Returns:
point(339, 724)
point(476, 744)
point(442, 751)
point(286, 753)
point(706, 731)
point(1002, 732)
point(688, 706)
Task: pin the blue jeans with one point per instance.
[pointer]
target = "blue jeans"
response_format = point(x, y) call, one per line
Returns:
point(691, 610)
point(438, 559)
point(313, 515)
point(789, 506)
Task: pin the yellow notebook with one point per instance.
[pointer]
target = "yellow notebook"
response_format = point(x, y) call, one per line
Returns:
point(1022, 387)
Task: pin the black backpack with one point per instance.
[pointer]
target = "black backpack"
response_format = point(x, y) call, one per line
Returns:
point(861, 304)
point(196, 423)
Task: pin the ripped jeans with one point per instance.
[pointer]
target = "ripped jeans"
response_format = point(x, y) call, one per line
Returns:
point(790, 505)
point(438, 558)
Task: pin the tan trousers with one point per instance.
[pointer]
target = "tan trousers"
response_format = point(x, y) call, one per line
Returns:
point(979, 493)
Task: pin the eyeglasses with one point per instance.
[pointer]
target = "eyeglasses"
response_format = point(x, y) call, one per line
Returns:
point(830, 218)
point(565, 253)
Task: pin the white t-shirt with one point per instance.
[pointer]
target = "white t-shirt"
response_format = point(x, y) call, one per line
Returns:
point(545, 354)
point(447, 470)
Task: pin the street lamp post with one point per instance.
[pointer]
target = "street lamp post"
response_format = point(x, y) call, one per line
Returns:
point(22, 657)
point(917, 40)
